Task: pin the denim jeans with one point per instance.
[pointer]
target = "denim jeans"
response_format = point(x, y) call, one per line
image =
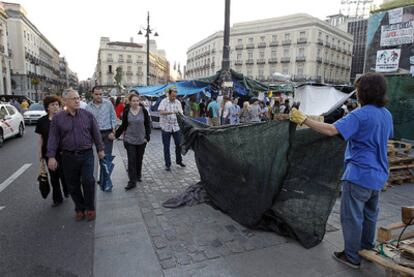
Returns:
point(78, 173)
point(166, 140)
point(359, 212)
point(108, 146)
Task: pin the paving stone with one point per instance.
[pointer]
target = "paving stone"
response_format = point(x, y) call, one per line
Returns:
point(159, 242)
point(158, 212)
point(155, 205)
point(183, 258)
point(198, 257)
point(170, 234)
point(164, 254)
point(235, 247)
point(231, 228)
point(167, 264)
point(192, 248)
point(216, 243)
point(179, 247)
point(212, 253)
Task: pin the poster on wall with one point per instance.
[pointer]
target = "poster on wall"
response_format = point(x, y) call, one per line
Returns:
point(387, 60)
point(397, 34)
point(395, 15)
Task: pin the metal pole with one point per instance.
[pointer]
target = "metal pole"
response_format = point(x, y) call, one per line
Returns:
point(225, 65)
point(147, 34)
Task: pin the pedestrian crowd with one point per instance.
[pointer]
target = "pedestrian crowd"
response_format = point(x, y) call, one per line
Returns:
point(66, 138)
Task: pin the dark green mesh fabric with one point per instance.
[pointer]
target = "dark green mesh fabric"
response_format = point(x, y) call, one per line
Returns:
point(267, 175)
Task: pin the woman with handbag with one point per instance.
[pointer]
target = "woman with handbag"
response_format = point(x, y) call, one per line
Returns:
point(52, 107)
point(136, 127)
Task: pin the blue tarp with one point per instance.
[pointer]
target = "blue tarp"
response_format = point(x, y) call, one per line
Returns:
point(183, 88)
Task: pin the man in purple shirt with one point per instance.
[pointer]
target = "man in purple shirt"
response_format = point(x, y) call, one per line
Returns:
point(73, 132)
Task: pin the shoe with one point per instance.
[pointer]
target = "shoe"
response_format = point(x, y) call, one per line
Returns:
point(80, 216)
point(341, 257)
point(66, 195)
point(130, 186)
point(139, 180)
point(167, 168)
point(55, 204)
point(181, 164)
point(90, 215)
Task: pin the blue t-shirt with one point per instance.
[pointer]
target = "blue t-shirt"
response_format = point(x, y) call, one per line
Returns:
point(215, 107)
point(367, 131)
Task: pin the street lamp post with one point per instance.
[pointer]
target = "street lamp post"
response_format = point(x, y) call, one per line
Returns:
point(226, 79)
point(148, 31)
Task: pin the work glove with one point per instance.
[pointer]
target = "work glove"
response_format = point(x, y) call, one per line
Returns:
point(297, 116)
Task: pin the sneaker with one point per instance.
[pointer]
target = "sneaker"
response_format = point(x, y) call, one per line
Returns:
point(80, 216)
point(341, 257)
point(167, 168)
point(57, 203)
point(90, 215)
point(181, 164)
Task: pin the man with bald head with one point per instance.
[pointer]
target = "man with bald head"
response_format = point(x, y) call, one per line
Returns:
point(73, 133)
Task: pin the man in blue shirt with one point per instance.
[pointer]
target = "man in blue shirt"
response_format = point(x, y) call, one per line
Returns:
point(367, 131)
point(213, 109)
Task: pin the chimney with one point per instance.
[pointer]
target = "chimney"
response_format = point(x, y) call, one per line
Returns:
point(131, 39)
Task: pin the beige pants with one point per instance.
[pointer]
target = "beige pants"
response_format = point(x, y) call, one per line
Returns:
point(215, 121)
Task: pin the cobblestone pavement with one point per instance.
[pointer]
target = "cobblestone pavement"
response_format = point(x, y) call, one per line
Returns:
point(190, 235)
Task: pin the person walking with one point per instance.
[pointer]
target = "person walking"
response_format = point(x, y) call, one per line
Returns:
point(245, 114)
point(213, 109)
point(169, 108)
point(136, 127)
point(225, 111)
point(367, 131)
point(254, 110)
point(73, 132)
point(52, 107)
point(119, 107)
point(235, 112)
point(104, 113)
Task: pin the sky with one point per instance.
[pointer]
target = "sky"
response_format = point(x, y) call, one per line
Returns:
point(74, 27)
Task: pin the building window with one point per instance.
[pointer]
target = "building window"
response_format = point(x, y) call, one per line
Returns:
point(250, 40)
point(250, 54)
point(272, 69)
point(300, 67)
point(302, 34)
point(287, 36)
point(261, 72)
point(249, 72)
point(285, 68)
point(262, 38)
point(286, 52)
point(274, 38)
point(239, 56)
point(109, 68)
point(319, 52)
point(261, 54)
point(320, 35)
point(301, 52)
point(240, 41)
point(273, 53)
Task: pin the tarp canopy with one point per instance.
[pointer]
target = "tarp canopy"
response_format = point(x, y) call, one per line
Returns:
point(183, 88)
point(318, 100)
point(269, 175)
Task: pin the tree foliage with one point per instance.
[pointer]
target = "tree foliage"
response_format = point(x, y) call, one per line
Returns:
point(394, 4)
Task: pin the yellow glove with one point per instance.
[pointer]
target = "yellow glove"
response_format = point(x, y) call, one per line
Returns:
point(297, 116)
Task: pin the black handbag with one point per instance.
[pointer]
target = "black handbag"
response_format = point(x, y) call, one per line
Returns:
point(43, 180)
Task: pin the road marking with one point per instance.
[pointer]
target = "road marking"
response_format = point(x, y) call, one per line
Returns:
point(15, 175)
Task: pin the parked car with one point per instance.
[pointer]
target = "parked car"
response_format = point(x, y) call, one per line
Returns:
point(11, 122)
point(35, 112)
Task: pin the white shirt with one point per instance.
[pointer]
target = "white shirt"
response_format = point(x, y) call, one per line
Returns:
point(169, 122)
point(227, 107)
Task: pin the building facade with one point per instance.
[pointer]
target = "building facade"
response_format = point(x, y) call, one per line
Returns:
point(68, 78)
point(132, 59)
point(358, 28)
point(302, 46)
point(34, 59)
point(5, 81)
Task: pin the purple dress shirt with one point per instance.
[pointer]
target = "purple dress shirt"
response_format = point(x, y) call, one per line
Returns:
point(73, 133)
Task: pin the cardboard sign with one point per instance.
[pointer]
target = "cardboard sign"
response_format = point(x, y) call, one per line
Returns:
point(397, 34)
point(395, 15)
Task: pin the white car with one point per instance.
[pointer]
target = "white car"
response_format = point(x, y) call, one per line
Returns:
point(11, 122)
point(33, 114)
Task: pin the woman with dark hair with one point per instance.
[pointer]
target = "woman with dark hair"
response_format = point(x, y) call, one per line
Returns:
point(367, 131)
point(136, 129)
point(52, 107)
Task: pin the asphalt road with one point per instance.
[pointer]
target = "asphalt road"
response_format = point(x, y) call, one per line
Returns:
point(36, 239)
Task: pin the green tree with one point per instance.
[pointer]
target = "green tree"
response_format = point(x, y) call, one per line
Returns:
point(118, 76)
